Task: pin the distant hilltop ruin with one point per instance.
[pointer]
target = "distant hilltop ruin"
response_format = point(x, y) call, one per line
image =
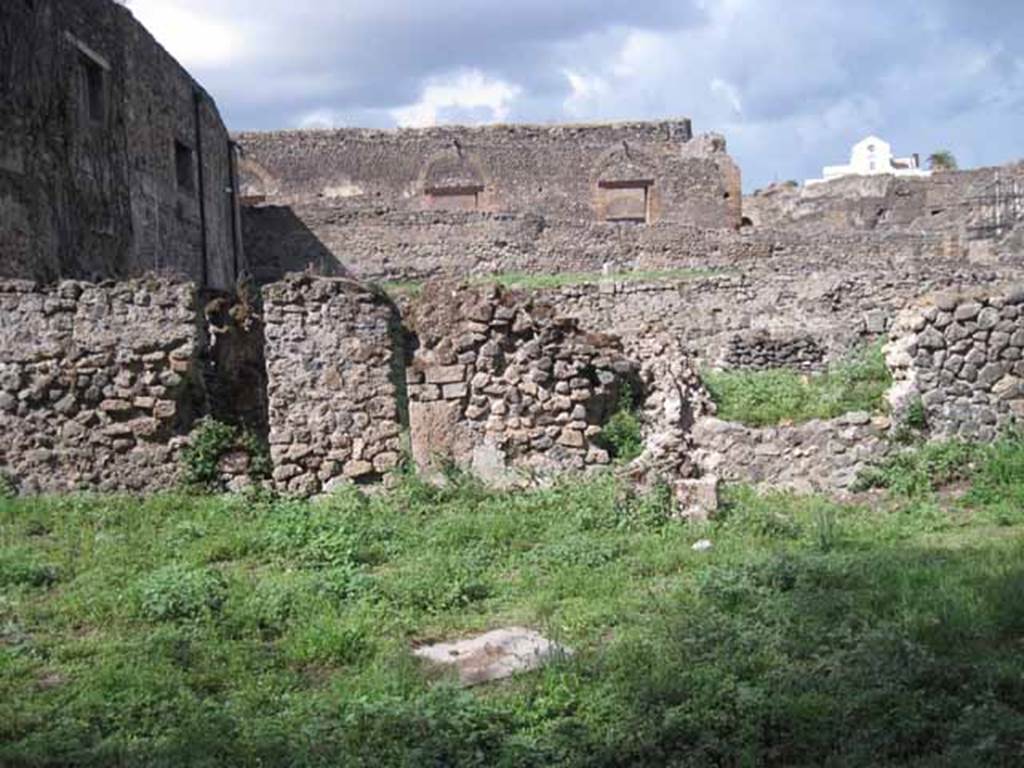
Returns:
point(338, 299)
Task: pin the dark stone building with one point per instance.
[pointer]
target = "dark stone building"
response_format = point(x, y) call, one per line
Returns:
point(113, 160)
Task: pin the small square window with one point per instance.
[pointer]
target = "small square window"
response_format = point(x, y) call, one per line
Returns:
point(184, 167)
point(624, 201)
point(93, 89)
point(458, 198)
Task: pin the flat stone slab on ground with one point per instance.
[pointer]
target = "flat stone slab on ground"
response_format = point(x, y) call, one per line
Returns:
point(493, 655)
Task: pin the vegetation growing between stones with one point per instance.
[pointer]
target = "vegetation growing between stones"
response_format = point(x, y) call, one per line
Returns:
point(240, 630)
point(763, 398)
point(991, 472)
point(622, 435)
point(211, 440)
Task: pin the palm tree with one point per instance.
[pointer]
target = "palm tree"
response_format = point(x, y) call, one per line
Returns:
point(942, 160)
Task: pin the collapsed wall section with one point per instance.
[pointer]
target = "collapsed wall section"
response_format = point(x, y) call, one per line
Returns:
point(333, 363)
point(97, 383)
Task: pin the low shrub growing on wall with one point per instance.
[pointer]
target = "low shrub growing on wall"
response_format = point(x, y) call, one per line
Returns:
point(211, 441)
point(763, 398)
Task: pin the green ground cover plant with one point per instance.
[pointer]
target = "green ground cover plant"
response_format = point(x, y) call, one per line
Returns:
point(538, 282)
point(776, 396)
point(214, 630)
point(622, 435)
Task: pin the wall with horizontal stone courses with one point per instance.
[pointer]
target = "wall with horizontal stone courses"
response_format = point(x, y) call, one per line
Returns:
point(761, 350)
point(819, 456)
point(550, 170)
point(837, 308)
point(961, 355)
point(96, 196)
point(389, 244)
point(334, 369)
point(98, 383)
point(503, 385)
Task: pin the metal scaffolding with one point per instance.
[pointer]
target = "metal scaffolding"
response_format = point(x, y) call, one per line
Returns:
point(995, 210)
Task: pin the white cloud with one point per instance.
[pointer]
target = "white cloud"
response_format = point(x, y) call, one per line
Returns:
point(728, 92)
point(194, 38)
point(790, 84)
point(586, 89)
point(463, 95)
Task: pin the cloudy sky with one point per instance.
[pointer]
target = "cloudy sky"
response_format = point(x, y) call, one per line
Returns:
point(792, 84)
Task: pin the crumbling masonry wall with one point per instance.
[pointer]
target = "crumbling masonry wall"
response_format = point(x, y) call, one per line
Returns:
point(961, 356)
point(501, 383)
point(333, 359)
point(947, 201)
point(442, 201)
point(98, 383)
point(772, 314)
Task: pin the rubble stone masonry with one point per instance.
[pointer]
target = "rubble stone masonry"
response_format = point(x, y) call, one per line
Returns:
point(961, 356)
point(333, 364)
point(98, 383)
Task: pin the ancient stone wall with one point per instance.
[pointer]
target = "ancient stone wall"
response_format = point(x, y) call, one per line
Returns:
point(762, 350)
point(334, 364)
point(98, 383)
point(961, 356)
point(654, 171)
point(448, 201)
point(826, 308)
point(947, 201)
point(500, 383)
point(113, 160)
point(818, 456)
point(386, 244)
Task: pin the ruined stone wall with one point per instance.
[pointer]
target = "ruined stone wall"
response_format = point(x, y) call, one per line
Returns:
point(95, 120)
point(947, 201)
point(961, 356)
point(98, 383)
point(818, 456)
point(802, 312)
point(501, 384)
point(573, 172)
point(762, 350)
point(400, 245)
point(334, 369)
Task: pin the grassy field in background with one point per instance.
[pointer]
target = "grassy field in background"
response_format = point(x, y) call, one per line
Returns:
point(248, 630)
point(776, 396)
point(539, 282)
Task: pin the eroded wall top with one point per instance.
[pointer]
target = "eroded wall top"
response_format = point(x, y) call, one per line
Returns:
point(649, 171)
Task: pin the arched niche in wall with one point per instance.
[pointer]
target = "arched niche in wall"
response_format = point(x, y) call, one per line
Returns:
point(255, 182)
point(452, 181)
point(624, 186)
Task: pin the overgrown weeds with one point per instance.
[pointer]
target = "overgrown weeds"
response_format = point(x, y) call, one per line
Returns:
point(777, 396)
point(186, 629)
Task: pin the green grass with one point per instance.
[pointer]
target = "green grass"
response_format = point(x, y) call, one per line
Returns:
point(539, 282)
point(777, 396)
point(212, 631)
